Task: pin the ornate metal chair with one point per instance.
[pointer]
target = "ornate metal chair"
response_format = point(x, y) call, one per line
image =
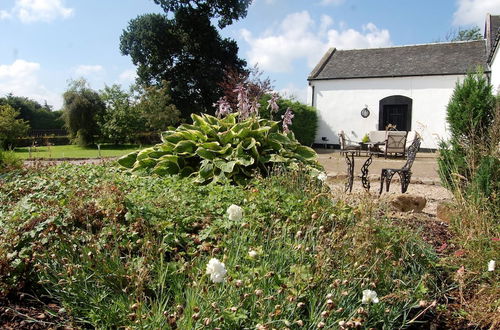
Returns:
point(404, 172)
point(348, 145)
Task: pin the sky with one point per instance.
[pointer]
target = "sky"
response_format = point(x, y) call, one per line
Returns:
point(46, 43)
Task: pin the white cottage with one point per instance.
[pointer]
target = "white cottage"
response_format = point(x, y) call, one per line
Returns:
point(409, 86)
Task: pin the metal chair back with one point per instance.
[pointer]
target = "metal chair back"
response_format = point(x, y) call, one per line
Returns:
point(412, 153)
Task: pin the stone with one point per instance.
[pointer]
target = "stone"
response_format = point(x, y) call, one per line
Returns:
point(444, 212)
point(407, 203)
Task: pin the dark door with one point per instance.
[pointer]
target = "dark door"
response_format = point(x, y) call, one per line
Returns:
point(395, 110)
point(395, 114)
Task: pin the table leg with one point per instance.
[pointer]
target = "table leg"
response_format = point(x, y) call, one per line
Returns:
point(350, 171)
point(364, 173)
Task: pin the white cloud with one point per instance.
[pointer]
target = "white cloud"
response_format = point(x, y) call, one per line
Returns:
point(21, 79)
point(29, 11)
point(5, 14)
point(87, 70)
point(331, 2)
point(299, 37)
point(474, 11)
point(127, 77)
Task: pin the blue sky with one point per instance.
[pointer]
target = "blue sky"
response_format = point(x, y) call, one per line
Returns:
point(44, 43)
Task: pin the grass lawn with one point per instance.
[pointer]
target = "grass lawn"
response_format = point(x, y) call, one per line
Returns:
point(73, 151)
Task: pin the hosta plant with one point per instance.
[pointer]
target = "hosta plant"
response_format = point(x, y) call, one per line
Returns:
point(220, 150)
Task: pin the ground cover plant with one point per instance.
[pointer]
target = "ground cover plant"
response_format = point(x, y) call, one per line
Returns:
point(118, 250)
point(74, 151)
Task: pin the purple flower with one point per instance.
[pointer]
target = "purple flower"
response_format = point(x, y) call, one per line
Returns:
point(287, 120)
point(223, 107)
point(244, 107)
point(272, 104)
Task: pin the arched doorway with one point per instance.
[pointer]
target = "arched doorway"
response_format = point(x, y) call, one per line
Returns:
point(395, 110)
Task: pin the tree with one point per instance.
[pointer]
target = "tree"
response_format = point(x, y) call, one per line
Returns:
point(251, 79)
point(39, 116)
point(11, 127)
point(460, 34)
point(470, 115)
point(156, 108)
point(186, 50)
point(121, 120)
point(473, 33)
point(81, 110)
point(226, 10)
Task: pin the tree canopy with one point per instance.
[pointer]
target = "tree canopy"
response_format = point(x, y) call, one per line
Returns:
point(186, 50)
point(473, 33)
point(82, 109)
point(226, 11)
point(39, 116)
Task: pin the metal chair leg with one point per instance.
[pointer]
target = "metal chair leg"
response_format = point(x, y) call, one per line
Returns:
point(388, 180)
point(405, 177)
point(382, 178)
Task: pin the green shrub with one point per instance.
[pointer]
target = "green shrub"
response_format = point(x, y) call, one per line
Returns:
point(9, 161)
point(470, 115)
point(11, 128)
point(215, 150)
point(120, 251)
point(305, 121)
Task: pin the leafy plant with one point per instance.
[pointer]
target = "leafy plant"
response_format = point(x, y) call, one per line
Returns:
point(218, 150)
point(9, 161)
point(11, 128)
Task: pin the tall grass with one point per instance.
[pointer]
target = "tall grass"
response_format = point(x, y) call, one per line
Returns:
point(475, 222)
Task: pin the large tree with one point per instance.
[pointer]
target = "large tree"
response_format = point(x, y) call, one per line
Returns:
point(185, 50)
point(121, 120)
point(226, 11)
point(82, 109)
point(156, 108)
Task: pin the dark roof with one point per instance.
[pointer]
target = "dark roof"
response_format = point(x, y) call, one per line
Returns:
point(419, 60)
point(493, 34)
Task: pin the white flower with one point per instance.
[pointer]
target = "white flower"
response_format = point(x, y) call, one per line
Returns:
point(252, 253)
point(322, 176)
point(235, 212)
point(491, 265)
point(216, 270)
point(369, 296)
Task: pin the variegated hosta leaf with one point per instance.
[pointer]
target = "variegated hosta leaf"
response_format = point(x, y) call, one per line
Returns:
point(221, 150)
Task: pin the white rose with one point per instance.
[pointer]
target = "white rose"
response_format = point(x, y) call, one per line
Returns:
point(491, 265)
point(252, 253)
point(235, 212)
point(216, 270)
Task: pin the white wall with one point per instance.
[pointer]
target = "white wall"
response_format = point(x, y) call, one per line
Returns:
point(495, 71)
point(339, 103)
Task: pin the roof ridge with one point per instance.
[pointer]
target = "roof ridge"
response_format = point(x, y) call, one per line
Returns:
point(416, 45)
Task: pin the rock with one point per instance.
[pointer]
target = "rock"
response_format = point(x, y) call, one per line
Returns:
point(407, 203)
point(444, 211)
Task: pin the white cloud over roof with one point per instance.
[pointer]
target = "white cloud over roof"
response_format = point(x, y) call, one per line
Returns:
point(474, 11)
point(298, 36)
